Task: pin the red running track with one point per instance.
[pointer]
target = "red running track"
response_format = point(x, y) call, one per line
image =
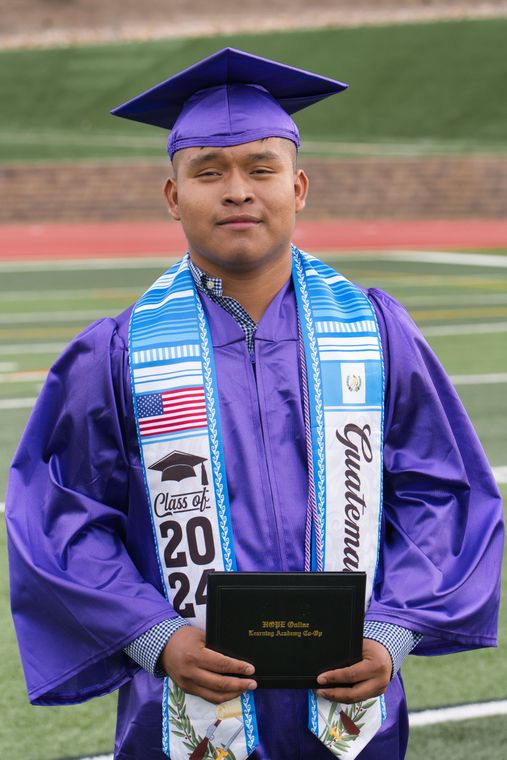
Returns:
point(32, 242)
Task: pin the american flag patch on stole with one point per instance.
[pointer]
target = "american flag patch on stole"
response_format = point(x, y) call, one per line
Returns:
point(171, 411)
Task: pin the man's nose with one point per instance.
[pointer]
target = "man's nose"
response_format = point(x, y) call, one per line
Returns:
point(238, 189)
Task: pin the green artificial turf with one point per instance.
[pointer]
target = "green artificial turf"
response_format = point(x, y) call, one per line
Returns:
point(480, 739)
point(427, 86)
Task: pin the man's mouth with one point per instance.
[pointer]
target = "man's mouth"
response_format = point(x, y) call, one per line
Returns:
point(242, 221)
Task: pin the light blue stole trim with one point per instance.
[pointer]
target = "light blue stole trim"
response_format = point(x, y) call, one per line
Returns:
point(250, 721)
point(315, 399)
point(215, 438)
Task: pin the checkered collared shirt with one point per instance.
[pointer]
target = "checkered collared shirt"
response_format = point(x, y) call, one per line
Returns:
point(213, 288)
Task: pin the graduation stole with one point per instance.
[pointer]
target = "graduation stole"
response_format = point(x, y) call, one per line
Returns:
point(177, 412)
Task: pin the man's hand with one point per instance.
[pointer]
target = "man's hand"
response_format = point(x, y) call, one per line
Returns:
point(368, 678)
point(202, 671)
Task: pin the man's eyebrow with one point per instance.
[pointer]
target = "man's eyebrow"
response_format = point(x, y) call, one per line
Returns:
point(267, 155)
point(204, 158)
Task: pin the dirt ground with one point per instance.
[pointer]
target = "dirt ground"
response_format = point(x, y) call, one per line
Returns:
point(27, 23)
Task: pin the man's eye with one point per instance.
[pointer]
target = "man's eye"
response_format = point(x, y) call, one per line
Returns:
point(208, 173)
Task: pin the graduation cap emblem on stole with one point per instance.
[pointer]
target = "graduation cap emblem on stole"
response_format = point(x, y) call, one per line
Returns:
point(179, 465)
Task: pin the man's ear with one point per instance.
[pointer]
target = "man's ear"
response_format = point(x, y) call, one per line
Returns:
point(301, 185)
point(171, 196)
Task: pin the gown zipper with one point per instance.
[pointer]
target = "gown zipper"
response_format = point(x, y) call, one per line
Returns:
point(266, 464)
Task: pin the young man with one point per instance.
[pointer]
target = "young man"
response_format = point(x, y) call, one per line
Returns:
point(253, 411)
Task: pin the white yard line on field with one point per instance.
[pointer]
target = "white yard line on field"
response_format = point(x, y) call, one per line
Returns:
point(70, 295)
point(457, 299)
point(17, 403)
point(145, 261)
point(13, 349)
point(488, 379)
point(28, 317)
point(500, 474)
point(29, 376)
point(459, 712)
point(471, 329)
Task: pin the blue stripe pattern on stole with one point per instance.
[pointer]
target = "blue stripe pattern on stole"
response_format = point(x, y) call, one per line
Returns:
point(345, 334)
point(151, 328)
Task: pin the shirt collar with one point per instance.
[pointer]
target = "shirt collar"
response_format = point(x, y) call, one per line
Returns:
point(205, 282)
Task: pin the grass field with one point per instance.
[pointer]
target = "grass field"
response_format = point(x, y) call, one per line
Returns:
point(463, 311)
point(417, 88)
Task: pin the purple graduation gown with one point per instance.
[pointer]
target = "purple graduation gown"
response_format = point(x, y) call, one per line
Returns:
point(85, 580)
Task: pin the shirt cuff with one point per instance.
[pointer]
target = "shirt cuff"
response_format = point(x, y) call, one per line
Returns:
point(398, 641)
point(147, 648)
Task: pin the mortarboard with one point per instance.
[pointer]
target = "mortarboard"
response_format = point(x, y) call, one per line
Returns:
point(177, 466)
point(229, 98)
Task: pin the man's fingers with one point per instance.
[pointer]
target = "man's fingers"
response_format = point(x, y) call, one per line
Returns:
point(376, 664)
point(361, 671)
point(202, 671)
point(214, 687)
point(366, 679)
point(220, 663)
point(215, 682)
point(212, 696)
point(357, 693)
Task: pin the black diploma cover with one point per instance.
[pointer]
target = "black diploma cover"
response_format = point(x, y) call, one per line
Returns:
point(290, 626)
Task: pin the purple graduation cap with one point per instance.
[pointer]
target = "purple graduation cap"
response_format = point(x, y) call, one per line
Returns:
point(178, 466)
point(229, 98)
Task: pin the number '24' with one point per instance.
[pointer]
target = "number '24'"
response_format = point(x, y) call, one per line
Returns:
point(201, 553)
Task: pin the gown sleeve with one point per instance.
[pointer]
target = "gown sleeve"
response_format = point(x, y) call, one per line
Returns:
point(442, 534)
point(77, 596)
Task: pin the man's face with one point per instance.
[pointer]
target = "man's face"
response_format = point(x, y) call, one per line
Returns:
point(238, 204)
